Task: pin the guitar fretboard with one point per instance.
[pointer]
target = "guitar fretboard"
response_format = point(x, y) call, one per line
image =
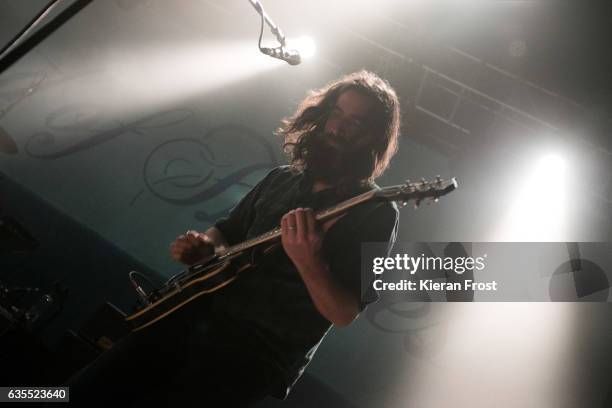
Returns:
point(320, 216)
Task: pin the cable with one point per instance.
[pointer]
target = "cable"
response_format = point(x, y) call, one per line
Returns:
point(144, 297)
point(261, 32)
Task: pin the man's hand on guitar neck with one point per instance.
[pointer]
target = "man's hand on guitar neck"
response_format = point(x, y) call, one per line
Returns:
point(194, 246)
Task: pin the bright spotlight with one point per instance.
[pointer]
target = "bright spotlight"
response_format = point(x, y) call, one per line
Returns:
point(551, 166)
point(304, 45)
point(539, 210)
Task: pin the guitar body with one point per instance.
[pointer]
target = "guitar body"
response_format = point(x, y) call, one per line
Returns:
point(206, 279)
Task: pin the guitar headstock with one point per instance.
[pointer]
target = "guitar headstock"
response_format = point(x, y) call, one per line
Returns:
point(417, 191)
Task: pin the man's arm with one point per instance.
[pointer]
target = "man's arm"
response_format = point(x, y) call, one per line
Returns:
point(334, 302)
point(302, 240)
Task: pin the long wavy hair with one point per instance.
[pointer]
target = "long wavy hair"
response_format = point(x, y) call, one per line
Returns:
point(313, 112)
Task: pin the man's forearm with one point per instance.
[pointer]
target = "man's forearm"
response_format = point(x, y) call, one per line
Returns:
point(333, 301)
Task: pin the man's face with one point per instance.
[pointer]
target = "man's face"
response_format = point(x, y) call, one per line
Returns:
point(341, 150)
point(347, 118)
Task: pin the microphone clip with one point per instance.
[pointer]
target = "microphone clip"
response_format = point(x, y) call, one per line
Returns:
point(289, 56)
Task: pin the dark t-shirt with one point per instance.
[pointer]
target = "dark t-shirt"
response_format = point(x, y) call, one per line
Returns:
point(268, 308)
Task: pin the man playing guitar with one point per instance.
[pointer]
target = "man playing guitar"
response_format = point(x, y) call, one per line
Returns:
point(255, 336)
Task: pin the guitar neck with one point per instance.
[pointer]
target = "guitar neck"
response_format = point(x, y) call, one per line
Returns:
point(274, 234)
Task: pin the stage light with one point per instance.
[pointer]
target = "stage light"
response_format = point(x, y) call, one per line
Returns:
point(538, 210)
point(551, 165)
point(304, 45)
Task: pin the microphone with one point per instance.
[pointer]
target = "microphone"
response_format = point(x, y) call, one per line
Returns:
point(291, 57)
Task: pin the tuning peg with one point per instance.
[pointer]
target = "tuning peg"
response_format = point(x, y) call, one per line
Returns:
point(438, 179)
point(436, 199)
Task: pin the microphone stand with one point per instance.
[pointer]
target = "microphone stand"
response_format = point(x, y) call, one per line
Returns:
point(273, 27)
point(20, 45)
point(289, 56)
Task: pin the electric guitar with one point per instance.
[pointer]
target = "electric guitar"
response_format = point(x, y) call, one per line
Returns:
point(220, 269)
